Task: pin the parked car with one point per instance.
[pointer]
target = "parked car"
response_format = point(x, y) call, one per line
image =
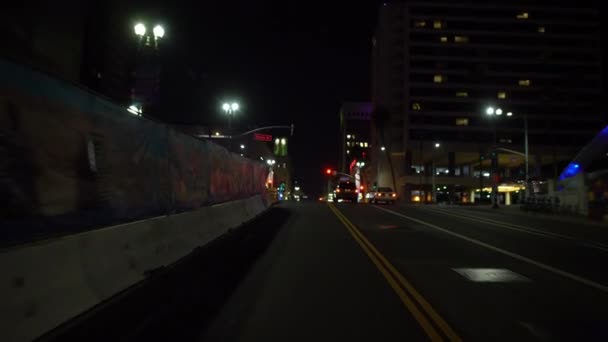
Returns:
point(383, 195)
point(347, 191)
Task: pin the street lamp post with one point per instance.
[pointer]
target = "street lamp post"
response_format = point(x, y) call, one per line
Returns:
point(230, 109)
point(491, 111)
point(434, 190)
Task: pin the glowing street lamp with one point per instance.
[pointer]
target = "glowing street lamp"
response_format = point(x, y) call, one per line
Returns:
point(158, 31)
point(490, 110)
point(140, 29)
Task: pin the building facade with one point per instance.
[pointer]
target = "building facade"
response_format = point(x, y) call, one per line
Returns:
point(458, 83)
point(356, 132)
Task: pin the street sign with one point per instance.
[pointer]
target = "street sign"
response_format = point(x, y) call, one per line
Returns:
point(262, 137)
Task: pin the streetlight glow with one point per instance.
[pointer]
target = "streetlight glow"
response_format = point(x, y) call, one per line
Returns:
point(490, 110)
point(382, 148)
point(140, 29)
point(437, 145)
point(498, 111)
point(226, 107)
point(217, 134)
point(158, 31)
point(242, 147)
point(283, 141)
point(234, 106)
point(276, 141)
point(509, 113)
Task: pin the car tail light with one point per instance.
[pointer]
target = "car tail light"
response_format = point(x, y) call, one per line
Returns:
point(394, 194)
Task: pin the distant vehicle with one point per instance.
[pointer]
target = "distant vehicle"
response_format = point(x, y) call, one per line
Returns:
point(347, 191)
point(384, 195)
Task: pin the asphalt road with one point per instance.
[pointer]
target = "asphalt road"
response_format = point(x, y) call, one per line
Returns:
point(357, 272)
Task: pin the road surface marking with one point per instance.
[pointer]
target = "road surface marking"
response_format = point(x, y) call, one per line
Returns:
point(491, 275)
point(524, 229)
point(546, 267)
point(395, 279)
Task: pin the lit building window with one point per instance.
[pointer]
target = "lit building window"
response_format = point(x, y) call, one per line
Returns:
point(523, 15)
point(347, 151)
point(461, 39)
point(462, 122)
point(502, 95)
point(462, 94)
point(437, 24)
point(366, 144)
point(541, 29)
point(348, 144)
point(444, 39)
point(420, 23)
point(353, 136)
point(416, 106)
point(524, 83)
point(438, 79)
point(348, 136)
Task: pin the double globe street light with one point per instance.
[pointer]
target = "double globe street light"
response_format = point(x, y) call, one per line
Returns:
point(491, 111)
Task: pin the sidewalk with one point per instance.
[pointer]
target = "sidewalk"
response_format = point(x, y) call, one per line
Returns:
point(515, 210)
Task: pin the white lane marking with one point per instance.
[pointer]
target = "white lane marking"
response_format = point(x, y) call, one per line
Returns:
point(557, 271)
point(523, 229)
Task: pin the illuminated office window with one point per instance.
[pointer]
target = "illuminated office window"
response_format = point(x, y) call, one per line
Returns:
point(502, 95)
point(437, 24)
point(461, 39)
point(416, 106)
point(420, 24)
point(438, 78)
point(524, 83)
point(444, 39)
point(462, 122)
point(462, 94)
point(523, 15)
point(541, 29)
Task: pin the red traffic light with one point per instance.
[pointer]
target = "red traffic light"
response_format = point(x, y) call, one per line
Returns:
point(328, 171)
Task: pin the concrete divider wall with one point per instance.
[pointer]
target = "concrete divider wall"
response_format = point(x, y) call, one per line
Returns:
point(72, 161)
point(46, 283)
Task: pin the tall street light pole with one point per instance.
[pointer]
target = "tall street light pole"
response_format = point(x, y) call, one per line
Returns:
point(230, 109)
point(491, 111)
point(434, 190)
point(526, 153)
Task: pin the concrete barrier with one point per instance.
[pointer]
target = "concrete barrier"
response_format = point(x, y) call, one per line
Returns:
point(47, 283)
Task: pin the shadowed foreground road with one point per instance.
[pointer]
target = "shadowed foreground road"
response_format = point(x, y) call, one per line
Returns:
point(383, 273)
point(357, 272)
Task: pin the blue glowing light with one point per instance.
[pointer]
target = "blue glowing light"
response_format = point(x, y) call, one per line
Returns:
point(571, 170)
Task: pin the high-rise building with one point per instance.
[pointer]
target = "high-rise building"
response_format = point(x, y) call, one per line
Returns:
point(355, 133)
point(454, 81)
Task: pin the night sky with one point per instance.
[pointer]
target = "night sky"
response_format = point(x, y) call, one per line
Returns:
point(284, 61)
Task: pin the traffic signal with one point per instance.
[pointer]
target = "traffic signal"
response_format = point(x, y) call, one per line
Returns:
point(328, 172)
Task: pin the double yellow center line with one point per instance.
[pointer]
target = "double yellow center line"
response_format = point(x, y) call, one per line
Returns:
point(432, 324)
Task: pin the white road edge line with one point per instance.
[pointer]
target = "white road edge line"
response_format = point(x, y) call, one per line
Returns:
point(505, 252)
point(520, 228)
